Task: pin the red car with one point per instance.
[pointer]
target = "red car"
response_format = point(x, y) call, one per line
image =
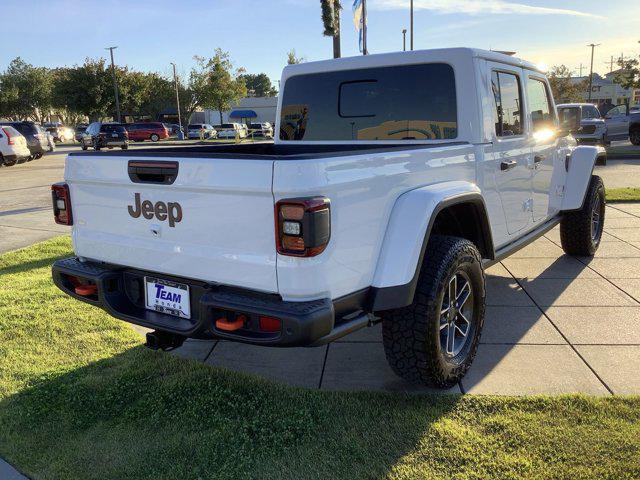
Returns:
point(154, 131)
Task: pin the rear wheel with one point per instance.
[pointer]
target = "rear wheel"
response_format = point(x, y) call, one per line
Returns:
point(96, 146)
point(10, 163)
point(634, 136)
point(125, 147)
point(154, 137)
point(434, 340)
point(581, 230)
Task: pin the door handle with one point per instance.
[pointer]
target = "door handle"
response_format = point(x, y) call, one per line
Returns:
point(508, 164)
point(539, 158)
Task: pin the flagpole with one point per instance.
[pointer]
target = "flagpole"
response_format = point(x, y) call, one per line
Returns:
point(364, 27)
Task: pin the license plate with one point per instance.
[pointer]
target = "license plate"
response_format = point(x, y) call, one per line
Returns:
point(167, 297)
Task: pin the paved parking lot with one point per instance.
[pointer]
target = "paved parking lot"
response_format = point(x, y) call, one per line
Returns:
point(555, 324)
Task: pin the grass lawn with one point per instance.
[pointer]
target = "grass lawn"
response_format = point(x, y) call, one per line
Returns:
point(80, 398)
point(628, 194)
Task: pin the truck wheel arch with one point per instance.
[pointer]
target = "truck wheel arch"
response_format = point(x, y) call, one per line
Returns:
point(455, 209)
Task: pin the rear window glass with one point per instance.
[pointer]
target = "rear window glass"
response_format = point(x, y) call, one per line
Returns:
point(195, 126)
point(227, 125)
point(569, 115)
point(408, 102)
point(113, 128)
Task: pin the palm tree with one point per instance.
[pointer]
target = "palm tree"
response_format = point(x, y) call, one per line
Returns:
point(331, 21)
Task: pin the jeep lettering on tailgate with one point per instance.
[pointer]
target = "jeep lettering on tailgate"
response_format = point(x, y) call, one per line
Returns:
point(161, 210)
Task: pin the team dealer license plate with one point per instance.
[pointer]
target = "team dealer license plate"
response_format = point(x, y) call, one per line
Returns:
point(167, 297)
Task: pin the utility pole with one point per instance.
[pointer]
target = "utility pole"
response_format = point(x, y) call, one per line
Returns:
point(175, 81)
point(115, 83)
point(580, 67)
point(404, 39)
point(364, 27)
point(610, 64)
point(411, 25)
point(593, 47)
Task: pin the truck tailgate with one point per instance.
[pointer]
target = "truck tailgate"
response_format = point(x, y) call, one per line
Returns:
point(214, 222)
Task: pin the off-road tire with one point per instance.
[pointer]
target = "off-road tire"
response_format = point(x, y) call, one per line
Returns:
point(412, 335)
point(576, 228)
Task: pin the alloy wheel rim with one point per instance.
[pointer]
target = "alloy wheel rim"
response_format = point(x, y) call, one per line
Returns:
point(596, 219)
point(456, 313)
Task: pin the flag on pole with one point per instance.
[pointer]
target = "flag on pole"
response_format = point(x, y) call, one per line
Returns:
point(358, 20)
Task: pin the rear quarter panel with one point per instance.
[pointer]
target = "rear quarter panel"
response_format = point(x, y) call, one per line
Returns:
point(363, 190)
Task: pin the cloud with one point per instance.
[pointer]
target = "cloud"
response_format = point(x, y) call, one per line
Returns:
point(477, 7)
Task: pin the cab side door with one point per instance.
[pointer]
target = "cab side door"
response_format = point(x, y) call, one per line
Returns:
point(511, 148)
point(617, 121)
point(544, 148)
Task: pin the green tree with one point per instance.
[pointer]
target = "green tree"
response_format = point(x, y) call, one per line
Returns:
point(564, 89)
point(28, 89)
point(85, 90)
point(259, 85)
point(292, 59)
point(212, 83)
point(144, 94)
point(331, 22)
point(628, 76)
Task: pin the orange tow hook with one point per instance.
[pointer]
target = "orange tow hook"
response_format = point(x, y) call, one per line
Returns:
point(86, 290)
point(230, 326)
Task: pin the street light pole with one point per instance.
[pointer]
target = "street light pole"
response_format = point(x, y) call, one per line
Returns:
point(411, 25)
point(175, 81)
point(404, 39)
point(115, 83)
point(593, 47)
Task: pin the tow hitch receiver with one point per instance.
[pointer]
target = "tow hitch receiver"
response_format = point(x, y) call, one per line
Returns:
point(158, 340)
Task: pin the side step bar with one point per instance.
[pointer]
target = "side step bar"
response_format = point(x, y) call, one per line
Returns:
point(345, 328)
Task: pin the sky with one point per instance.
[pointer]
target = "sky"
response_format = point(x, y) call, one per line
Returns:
point(258, 34)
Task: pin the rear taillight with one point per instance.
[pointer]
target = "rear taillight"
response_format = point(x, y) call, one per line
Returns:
point(61, 203)
point(303, 226)
point(9, 138)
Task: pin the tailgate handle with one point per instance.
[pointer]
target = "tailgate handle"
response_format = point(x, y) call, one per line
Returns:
point(153, 171)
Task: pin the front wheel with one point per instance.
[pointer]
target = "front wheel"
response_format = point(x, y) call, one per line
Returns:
point(634, 136)
point(155, 138)
point(434, 340)
point(581, 230)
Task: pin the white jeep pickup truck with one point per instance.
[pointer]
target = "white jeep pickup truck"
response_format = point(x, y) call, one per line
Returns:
point(394, 180)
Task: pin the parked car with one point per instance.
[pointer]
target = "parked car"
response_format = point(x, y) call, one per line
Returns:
point(173, 128)
point(394, 181)
point(80, 129)
point(35, 135)
point(592, 127)
point(105, 135)
point(60, 133)
point(634, 109)
point(231, 130)
point(261, 130)
point(13, 146)
point(623, 124)
point(201, 130)
point(154, 131)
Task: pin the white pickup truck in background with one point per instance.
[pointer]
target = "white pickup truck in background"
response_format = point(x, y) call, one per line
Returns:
point(394, 180)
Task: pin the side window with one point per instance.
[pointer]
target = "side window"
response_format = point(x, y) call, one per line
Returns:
point(540, 107)
point(507, 96)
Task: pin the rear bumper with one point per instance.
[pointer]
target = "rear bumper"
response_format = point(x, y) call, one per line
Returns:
point(120, 292)
point(12, 158)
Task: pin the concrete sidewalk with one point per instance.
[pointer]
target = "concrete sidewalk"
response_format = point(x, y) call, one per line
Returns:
point(555, 324)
